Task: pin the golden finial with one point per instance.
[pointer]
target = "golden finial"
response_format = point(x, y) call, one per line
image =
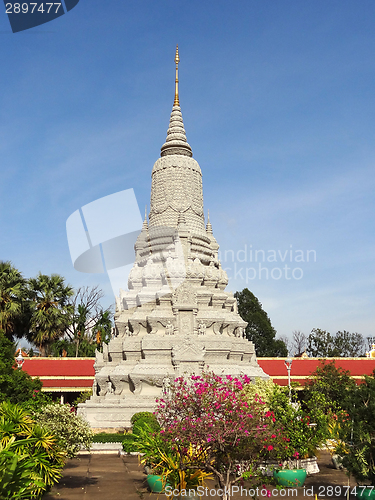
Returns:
point(176, 60)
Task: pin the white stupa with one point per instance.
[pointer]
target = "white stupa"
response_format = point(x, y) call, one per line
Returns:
point(176, 316)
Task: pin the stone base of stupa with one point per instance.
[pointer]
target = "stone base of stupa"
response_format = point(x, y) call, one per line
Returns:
point(125, 387)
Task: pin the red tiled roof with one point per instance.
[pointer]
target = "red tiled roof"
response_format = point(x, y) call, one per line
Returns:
point(77, 374)
point(59, 366)
point(62, 374)
point(304, 367)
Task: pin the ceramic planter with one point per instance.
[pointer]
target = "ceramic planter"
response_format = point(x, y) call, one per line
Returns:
point(155, 483)
point(290, 477)
point(367, 493)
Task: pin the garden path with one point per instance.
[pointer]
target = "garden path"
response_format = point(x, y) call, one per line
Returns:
point(110, 477)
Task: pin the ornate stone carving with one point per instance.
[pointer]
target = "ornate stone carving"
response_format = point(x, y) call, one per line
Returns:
point(188, 352)
point(110, 389)
point(166, 387)
point(201, 328)
point(135, 277)
point(169, 328)
point(184, 296)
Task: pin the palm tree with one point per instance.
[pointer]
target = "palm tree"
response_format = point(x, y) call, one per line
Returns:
point(81, 325)
point(52, 312)
point(14, 301)
point(103, 329)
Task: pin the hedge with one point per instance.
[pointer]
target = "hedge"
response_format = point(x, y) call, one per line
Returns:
point(102, 437)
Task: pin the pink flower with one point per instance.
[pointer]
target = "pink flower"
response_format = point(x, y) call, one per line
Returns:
point(270, 447)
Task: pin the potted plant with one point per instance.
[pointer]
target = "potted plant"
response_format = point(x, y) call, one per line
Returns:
point(335, 443)
point(181, 479)
point(147, 441)
point(305, 425)
point(165, 467)
point(289, 477)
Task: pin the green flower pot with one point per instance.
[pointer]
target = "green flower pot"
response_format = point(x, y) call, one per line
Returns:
point(290, 477)
point(367, 493)
point(155, 483)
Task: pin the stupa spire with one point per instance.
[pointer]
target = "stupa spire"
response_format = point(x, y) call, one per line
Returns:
point(176, 60)
point(209, 226)
point(145, 225)
point(176, 143)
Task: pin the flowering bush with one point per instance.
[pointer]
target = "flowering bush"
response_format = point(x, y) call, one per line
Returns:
point(72, 430)
point(305, 425)
point(260, 389)
point(207, 420)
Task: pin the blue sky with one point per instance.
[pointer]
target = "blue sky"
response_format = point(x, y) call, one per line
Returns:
point(278, 104)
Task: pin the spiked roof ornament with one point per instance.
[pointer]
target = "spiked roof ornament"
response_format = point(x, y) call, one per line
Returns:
point(145, 225)
point(208, 226)
point(176, 60)
point(176, 143)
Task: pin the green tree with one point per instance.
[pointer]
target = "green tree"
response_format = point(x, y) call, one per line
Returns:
point(321, 344)
point(89, 325)
point(14, 301)
point(333, 382)
point(359, 451)
point(259, 328)
point(16, 385)
point(349, 345)
point(64, 347)
point(51, 309)
point(103, 329)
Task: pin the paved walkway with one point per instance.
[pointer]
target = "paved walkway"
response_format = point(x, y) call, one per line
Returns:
point(108, 477)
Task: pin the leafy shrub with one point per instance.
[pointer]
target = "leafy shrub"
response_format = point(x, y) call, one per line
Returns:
point(129, 443)
point(30, 457)
point(145, 424)
point(17, 473)
point(358, 432)
point(262, 390)
point(72, 431)
point(306, 426)
point(103, 437)
point(152, 423)
point(141, 414)
point(84, 396)
point(16, 386)
point(38, 401)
